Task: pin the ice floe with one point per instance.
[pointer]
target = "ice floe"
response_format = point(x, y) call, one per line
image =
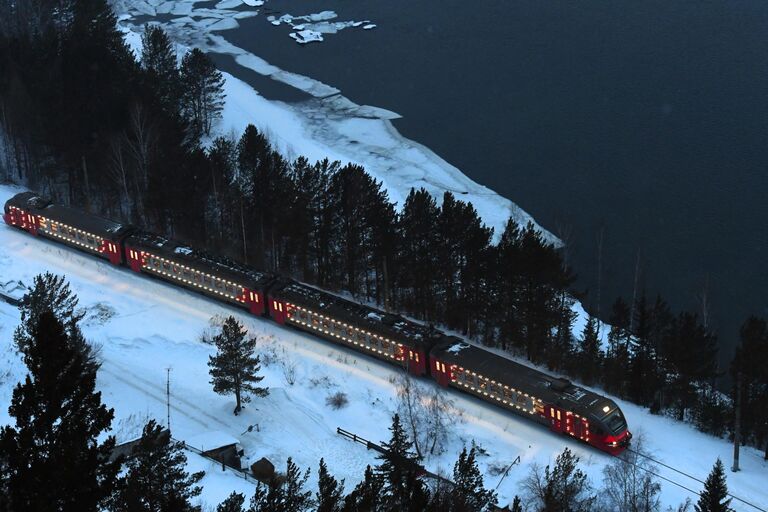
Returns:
point(310, 27)
point(306, 36)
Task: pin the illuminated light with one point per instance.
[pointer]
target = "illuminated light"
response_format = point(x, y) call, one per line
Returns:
point(606, 408)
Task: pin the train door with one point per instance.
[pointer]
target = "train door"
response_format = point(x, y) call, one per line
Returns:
point(416, 361)
point(277, 310)
point(254, 300)
point(556, 418)
point(440, 371)
point(135, 258)
point(112, 251)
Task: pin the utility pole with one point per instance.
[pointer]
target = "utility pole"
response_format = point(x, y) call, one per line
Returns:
point(737, 425)
point(168, 397)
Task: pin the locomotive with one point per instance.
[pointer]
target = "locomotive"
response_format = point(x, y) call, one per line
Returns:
point(419, 349)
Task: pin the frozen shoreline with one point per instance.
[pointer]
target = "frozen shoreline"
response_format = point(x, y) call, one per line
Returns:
point(329, 125)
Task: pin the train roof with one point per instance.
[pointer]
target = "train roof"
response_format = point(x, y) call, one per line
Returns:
point(197, 259)
point(549, 389)
point(74, 217)
point(391, 326)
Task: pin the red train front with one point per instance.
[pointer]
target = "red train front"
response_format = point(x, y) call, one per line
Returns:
point(557, 403)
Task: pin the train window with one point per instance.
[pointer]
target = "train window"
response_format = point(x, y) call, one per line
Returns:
point(441, 364)
point(385, 345)
point(552, 412)
point(91, 240)
point(166, 266)
point(595, 430)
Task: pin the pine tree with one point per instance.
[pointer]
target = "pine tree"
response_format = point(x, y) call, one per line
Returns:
point(589, 356)
point(469, 493)
point(52, 457)
point(283, 494)
point(714, 497)
point(748, 362)
point(158, 59)
point(51, 293)
point(517, 505)
point(617, 357)
point(367, 495)
point(233, 503)
point(203, 92)
point(261, 181)
point(418, 253)
point(330, 491)
point(402, 490)
point(155, 476)
point(234, 368)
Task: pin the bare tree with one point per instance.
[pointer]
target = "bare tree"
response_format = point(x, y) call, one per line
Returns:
point(141, 140)
point(119, 171)
point(426, 415)
point(411, 408)
point(628, 484)
point(440, 412)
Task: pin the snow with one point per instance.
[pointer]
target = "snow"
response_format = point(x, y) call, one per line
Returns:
point(155, 326)
point(458, 347)
point(211, 440)
point(183, 250)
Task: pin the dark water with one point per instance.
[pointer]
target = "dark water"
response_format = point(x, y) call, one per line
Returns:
point(647, 120)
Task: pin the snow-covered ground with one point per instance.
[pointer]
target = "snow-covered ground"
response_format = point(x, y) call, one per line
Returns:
point(144, 326)
point(329, 125)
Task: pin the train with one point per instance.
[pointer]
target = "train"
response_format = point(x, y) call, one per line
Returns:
point(421, 350)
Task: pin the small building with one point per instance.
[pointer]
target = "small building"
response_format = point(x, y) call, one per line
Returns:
point(263, 470)
point(218, 446)
point(125, 450)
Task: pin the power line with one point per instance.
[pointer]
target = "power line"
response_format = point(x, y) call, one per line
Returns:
point(684, 474)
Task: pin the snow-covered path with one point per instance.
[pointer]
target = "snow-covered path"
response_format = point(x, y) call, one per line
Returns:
point(155, 326)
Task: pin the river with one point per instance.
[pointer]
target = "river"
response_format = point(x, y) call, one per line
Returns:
point(643, 121)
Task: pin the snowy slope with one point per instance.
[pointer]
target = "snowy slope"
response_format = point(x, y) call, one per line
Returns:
point(145, 326)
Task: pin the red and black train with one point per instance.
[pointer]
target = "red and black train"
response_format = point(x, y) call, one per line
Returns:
point(421, 350)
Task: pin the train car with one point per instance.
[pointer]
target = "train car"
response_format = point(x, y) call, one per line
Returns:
point(214, 276)
point(368, 330)
point(90, 233)
point(552, 401)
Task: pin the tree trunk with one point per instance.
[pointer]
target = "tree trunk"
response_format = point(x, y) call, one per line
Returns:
point(737, 426)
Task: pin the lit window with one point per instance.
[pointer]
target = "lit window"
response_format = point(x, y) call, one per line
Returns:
point(558, 415)
point(443, 365)
point(552, 412)
point(437, 365)
point(280, 307)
